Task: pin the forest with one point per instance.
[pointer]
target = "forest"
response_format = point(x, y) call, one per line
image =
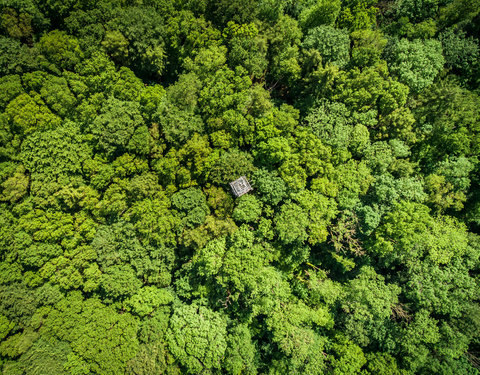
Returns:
point(123, 249)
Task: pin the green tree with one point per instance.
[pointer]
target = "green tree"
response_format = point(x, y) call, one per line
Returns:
point(116, 45)
point(230, 166)
point(241, 11)
point(83, 322)
point(283, 50)
point(197, 338)
point(54, 157)
point(119, 128)
point(233, 265)
point(193, 203)
point(118, 244)
point(444, 291)
point(346, 357)
point(16, 186)
point(452, 114)
point(27, 113)
point(320, 13)
point(461, 52)
point(148, 299)
point(367, 48)
point(16, 57)
point(415, 63)
point(11, 87)
point(46, 355)
point(119, 281)
point(382, 364)
point(186, 34)
point(248, 209)
point(291, 223)
point(240, 353)
point(272, 189)
point(458, 12)
point(61, 49)
point(368, 305)
point(417, 10)
point(246, 48)
point(17, 25)
point(418, 334)
point(178, 125)
point(333, 44)
point(358, 14)
point(143, 31)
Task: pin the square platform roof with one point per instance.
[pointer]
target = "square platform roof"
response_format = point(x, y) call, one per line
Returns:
point(240, 186)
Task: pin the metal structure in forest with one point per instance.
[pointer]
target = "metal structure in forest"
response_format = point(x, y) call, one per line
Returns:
point(240, 186)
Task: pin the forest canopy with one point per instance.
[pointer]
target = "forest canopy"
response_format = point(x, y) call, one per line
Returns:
point(123, 249)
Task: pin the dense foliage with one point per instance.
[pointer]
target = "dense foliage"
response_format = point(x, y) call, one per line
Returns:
point(122, 248)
